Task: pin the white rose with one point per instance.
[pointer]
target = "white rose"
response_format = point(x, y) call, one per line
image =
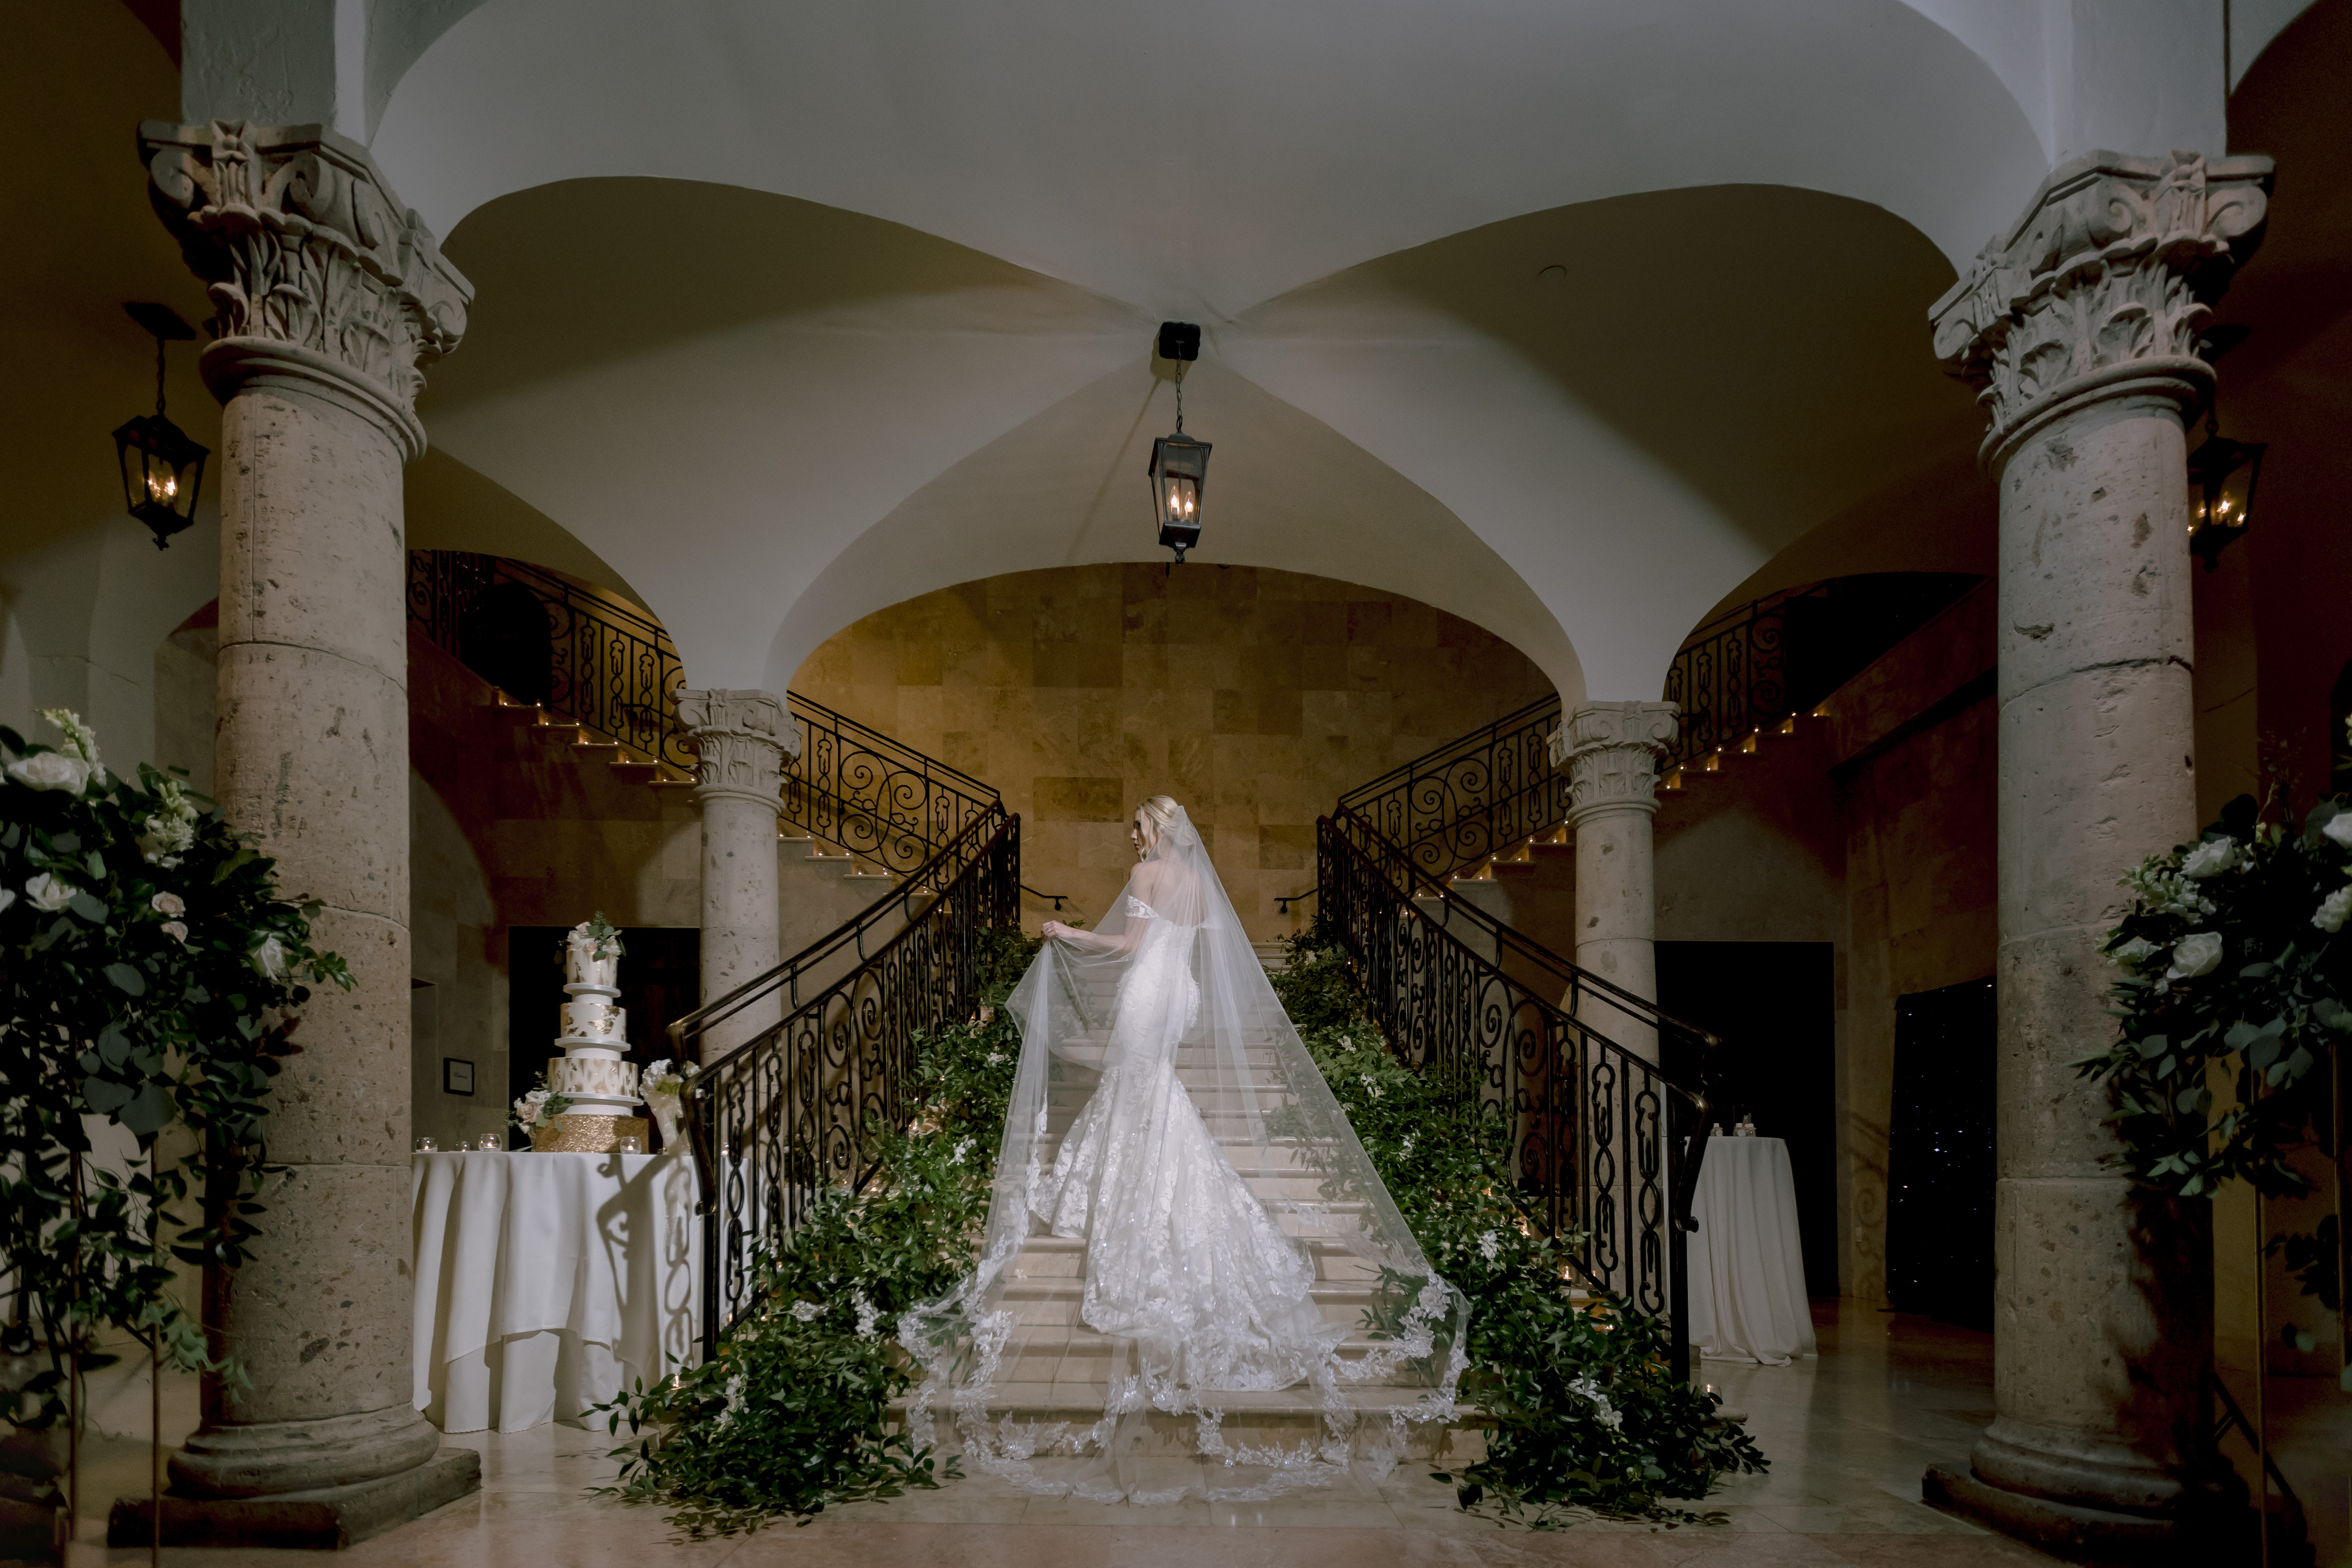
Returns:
point(169, 904)
point(175, 930)
point(50, 894)
point(2133, 953)
point(7, 897)
point(270, 958)
point(2339, 828)
point(2334, 908)
point(2194, 954)
point(2213, 857)
point(51, 769)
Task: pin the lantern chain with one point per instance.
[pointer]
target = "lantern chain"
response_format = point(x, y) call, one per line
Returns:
point(159, 377)
point(1181, 366)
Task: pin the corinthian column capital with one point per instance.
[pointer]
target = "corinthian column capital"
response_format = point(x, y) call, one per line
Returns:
point(321, 281)
point(2099, 291)
point(743, 738)
point(1610, 751)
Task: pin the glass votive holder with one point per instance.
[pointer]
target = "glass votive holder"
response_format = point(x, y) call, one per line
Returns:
point(492, 1144)
point(426, 1145)
point(633, 1145)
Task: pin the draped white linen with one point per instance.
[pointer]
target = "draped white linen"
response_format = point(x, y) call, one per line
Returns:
point(547, 1283)
point(1175, 1187)
point(1746, 1289)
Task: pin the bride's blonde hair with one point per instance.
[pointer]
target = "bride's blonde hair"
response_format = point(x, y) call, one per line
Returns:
point(1160, 811)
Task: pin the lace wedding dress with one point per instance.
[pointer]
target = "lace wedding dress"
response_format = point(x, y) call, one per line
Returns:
point(1185, 1232)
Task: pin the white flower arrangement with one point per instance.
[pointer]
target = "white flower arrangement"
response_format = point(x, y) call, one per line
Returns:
point(1589, 1387)
point(807, 1312)
point(662, 1078)
point(2199, 953)
point(2209, 858)
point(269, 958)
point(49, 893)
point(172, 829)
point(72, 767)
point(539, 1107)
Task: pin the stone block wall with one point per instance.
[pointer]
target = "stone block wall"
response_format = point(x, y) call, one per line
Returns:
point(1256, 697)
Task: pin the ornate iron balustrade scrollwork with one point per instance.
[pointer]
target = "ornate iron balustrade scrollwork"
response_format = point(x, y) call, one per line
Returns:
point(860, 789)
point(601, 665)
point(1732, 675)
point(1603, 1149)
point(607, 668)
point(1472, 797)
point(792, 1112)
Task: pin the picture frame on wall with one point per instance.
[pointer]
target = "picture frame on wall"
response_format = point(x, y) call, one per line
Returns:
point(457, 1076)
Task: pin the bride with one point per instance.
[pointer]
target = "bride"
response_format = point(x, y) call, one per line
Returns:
point(1183, 1227)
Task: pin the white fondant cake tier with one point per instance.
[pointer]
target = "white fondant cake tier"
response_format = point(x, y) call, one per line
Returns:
point(594, 1020)
point(583, 967)
point(576, 1076)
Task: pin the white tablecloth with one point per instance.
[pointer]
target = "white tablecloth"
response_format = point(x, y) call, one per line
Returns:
point(547, 1283)
point(1747, 1291)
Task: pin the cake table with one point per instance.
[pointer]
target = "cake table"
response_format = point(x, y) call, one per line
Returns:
point(548, 1283)
point(1747, 1288)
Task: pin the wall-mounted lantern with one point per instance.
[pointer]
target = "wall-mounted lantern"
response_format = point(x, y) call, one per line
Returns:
point(2222, 475)
point(1180, 465)
point(162, 468)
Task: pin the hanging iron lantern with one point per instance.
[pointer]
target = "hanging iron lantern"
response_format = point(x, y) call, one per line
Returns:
point(1180, 465)
point(2222, 475)
point(162, 468)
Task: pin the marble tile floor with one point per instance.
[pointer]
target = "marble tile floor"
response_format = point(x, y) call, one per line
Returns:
point(1849, 1433)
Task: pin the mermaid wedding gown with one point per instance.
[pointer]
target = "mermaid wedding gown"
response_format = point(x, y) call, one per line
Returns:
point(1184, 1232)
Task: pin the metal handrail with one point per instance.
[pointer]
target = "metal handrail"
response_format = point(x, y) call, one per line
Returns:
point(1580, 1103)
point(615, 672)
point(790, 1114)
point(1578, 983)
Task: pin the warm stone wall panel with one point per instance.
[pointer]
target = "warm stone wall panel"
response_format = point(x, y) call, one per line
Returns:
point(1253, 695)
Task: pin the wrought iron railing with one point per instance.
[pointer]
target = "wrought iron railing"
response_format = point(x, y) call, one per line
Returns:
point(794, 1111)
point(613, 670)
point(1732, 675)
point(601, 665)
point(1602, 1146)
point(1471, 797)
point(860, 789)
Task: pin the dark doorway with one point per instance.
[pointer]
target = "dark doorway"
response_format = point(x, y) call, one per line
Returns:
point(661, 981)
point(1774, 1005)
point(1939, 1155)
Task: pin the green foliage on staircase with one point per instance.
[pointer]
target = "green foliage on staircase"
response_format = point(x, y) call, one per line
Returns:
point(791, 1415)
point(1590, 1414)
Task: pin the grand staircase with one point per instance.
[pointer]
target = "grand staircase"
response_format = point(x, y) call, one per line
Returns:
point(1603, 1144)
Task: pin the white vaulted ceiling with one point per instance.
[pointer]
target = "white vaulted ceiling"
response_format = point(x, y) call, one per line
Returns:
point(790, 311)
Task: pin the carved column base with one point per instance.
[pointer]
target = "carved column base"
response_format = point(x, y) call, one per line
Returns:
point(326, 1519)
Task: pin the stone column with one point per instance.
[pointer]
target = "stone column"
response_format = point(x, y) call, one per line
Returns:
point(330, 295)
point(1610, 751)
point(2079, 327)
point(743, 738)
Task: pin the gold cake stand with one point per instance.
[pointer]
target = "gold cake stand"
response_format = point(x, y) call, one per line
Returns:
point(569, 1134)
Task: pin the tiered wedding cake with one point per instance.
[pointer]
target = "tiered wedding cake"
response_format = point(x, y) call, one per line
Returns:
point(594, 1073)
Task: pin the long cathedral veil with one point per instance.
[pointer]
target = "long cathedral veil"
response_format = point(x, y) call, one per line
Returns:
point(1175, 1305)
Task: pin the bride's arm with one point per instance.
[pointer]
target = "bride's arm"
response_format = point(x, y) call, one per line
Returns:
point(1146, 886)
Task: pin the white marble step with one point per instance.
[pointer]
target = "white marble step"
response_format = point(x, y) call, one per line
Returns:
point(1047, 1257)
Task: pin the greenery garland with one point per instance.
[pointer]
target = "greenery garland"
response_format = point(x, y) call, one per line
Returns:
point(2232, 974)
point(147, 971)
point(1590, 1416)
